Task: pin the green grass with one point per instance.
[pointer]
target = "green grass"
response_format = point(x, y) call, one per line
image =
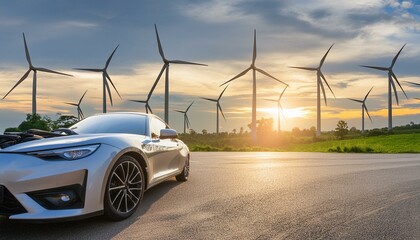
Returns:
point(401, 143)
point(398, 143)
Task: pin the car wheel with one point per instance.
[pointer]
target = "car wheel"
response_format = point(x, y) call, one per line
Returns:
point(124, 189)
point(182, 177)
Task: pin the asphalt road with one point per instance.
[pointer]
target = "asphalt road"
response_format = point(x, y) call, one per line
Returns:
point(266, 196)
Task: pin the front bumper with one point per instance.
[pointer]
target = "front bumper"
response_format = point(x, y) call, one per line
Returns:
point(23, 176)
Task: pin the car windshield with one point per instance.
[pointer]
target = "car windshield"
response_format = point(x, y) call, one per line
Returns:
point(112, 123)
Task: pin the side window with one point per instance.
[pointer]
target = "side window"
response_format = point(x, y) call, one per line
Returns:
point(155, 126)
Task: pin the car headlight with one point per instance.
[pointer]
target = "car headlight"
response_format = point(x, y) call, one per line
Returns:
point(72, 153)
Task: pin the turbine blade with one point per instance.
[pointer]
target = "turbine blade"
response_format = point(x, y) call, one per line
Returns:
point(221, 94)
point(80, 101)
point(352, 99)
point(139, 101)
point(109, 92)
point(417, 98)
point(325, 80)
point(416, 84)
point(185, 62)
point(188, 121)
point(396, 56)
point(51, 71)
point(19, 82)
point(306, 68)
point(254, 51)
point(159, 44)
point(156, 82)
point(209, 99)
point(395, 90)
point(325, 56)
point(396, 79)
point(89, 69)
point(109, 78)
point(367, 94)
point(268, 75)
point(271, 100)
point(237, 76)
point(188, 108)
point(323, 90)
point(81, 114)
point(179, 111)
point(377, 68)
point(73, 104)
point(110, 57)
point(150, 109)
point(281, 95)
point(28, 57)
point(221, 111)
point(367, 112)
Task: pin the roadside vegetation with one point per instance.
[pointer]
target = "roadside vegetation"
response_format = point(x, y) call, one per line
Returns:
point(402, 139)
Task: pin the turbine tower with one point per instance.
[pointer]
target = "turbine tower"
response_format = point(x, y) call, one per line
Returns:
point(391, 85)
point(34, 81)
point(105, 79)
point(363, 102)
point(165, 67)
point(320, 86)
point(254, 86)
point(218, 107)
point(80, 114)
point(279, 107)
point(187, 123)
point(146, 102)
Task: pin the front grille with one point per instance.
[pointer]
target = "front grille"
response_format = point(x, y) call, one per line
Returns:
point(9, 205)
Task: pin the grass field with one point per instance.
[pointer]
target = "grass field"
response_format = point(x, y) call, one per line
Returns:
point(399, 143)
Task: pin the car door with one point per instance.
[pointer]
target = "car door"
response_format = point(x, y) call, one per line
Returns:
point(165, 157)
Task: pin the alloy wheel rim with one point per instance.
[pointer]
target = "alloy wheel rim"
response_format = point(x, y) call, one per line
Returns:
point(125, 187)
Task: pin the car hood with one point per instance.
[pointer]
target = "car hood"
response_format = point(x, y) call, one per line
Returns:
point(115, 139)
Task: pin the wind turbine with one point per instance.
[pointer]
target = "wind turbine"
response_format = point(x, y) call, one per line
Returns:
point(320, 86)
point(187, 123)
point(254, 86)
point(35, 70)
point(105, 79)
point(147, 106)
point(363, 102)
point(218, 107)
point(165, 68)
point(80, 114)
point(391, 84)
point(279, 107)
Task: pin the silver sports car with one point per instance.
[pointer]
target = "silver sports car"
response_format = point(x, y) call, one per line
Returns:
point(101, 165)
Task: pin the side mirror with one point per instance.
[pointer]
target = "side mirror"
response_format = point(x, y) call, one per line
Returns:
point(168, 134)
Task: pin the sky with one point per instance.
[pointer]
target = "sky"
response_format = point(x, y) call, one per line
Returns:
point(63, 35)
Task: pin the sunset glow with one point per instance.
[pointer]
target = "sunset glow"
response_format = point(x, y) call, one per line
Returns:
point(219, 34)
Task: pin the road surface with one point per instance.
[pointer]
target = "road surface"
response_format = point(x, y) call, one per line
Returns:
point(266, 196)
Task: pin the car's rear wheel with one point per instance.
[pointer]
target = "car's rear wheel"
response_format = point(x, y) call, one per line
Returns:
point(182, 177)
point(124, 189)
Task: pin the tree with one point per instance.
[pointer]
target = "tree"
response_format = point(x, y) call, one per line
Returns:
point(264, 127)
point(342, 129)
point(64, 121)
point(204, 131)
point(35, 121)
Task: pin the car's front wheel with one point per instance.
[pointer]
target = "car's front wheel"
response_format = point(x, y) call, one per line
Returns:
point(124, 189)
point(182, 177)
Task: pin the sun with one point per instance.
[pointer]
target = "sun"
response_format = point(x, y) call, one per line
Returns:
point(287, 113)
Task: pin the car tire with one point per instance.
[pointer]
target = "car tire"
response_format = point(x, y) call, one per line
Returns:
point(124, 189)
point(183, 176)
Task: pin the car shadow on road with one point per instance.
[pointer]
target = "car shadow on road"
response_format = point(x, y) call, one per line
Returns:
point(93, 228)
